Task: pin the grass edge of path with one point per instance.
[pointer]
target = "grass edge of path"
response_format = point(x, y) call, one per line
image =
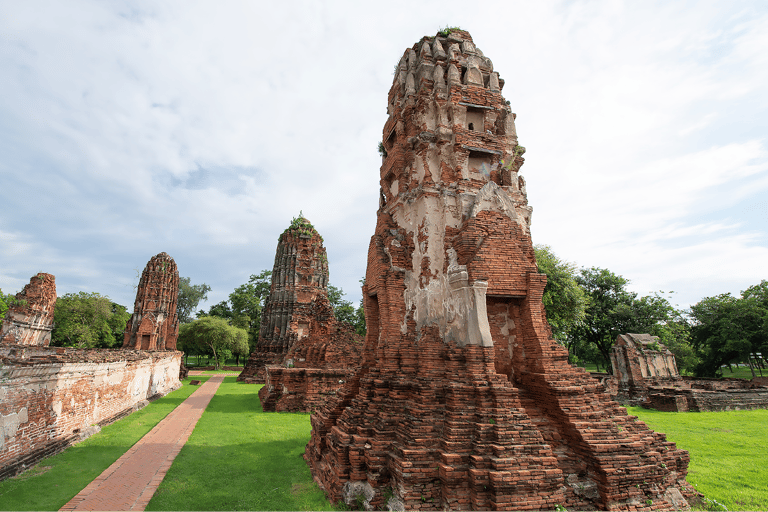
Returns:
point(55, 480)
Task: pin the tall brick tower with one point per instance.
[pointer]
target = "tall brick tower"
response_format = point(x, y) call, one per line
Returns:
point(300, 274)
point(30, 322)
point(464, 400)
point(154, 324)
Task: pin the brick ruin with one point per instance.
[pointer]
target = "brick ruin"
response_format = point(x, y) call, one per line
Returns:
point(30, 321)
point(464, 400)
point(645, 373)
point(638, 361)
point(303, 355)
point(154, 324)
point(51, 397)
point(299, 276)
point(316, 366)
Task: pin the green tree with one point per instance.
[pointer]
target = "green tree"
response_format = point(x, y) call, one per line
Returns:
point(359, 323)
point(88, 320)
point(190, 296)
point(214, 334)
point(728, 329)
point(604, 316)
point(6, 301)
point(564, 300)
point(344, 311)
point(613, 310)
point(245, 304)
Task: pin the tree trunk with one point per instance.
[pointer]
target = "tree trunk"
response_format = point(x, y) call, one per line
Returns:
point(749, 360)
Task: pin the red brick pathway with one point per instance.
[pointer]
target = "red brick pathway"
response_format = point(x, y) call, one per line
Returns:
point(132, 480)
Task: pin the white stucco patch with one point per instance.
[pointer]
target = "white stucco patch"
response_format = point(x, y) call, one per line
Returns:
point(9, 424)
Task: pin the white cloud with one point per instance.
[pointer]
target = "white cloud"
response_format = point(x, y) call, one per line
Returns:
point(201, 129)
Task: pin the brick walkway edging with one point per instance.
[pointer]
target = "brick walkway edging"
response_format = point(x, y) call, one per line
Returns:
point(131, 481)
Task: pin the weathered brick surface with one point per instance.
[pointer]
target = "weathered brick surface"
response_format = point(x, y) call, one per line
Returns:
point(304, 354)
point(645, 373)
point(692, 399)
point(49, 397)
point(316, 366)
point(31, 322)
point(154, 324)
point(639, 361)
point(464, 400)
point(299, 276)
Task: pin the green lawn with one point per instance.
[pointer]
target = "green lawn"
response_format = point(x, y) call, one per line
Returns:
point(56, 480)
point(240, 458)
point(729, 451)
point(216, 372)
point(742, 372)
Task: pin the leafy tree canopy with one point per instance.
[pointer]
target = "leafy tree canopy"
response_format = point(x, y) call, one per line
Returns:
point(245, 304)
point(727, 329)
point(214, 335)
point(564, 300)
point(613, 310)
point(5, 302)
point(190, 296)
point(344, 311)
point(88, 320)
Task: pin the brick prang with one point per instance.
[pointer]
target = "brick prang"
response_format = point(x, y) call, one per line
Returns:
point(464, 401)
point(154, 324)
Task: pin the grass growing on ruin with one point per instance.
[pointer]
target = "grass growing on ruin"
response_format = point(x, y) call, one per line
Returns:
point(240, 458)
point(56, 480)
point(728, 451)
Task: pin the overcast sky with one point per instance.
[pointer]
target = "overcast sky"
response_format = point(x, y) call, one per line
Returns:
point(201, 128)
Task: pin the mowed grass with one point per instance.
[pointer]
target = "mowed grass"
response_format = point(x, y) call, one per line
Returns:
point(240, 458)
point(729, 452)
point(742, 372)
point(56, 480)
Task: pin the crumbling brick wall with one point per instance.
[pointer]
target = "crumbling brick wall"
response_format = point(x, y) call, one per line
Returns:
point(30, 321)
point(463, 399)
point(50, 396)
point(316, 366)
point(154, 324)
point(640, 361)
point(645, 373)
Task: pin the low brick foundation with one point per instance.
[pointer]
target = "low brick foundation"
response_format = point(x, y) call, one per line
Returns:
point(50, 397)
point(699, 400)
point(689, 393)
point(300, 389)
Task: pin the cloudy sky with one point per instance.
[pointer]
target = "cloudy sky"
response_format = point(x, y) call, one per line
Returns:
point(201, 128)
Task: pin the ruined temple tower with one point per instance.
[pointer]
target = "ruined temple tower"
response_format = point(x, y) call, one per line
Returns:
point(154, 324)
point(464, 400)
point(30, 322)
point(300, 274)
